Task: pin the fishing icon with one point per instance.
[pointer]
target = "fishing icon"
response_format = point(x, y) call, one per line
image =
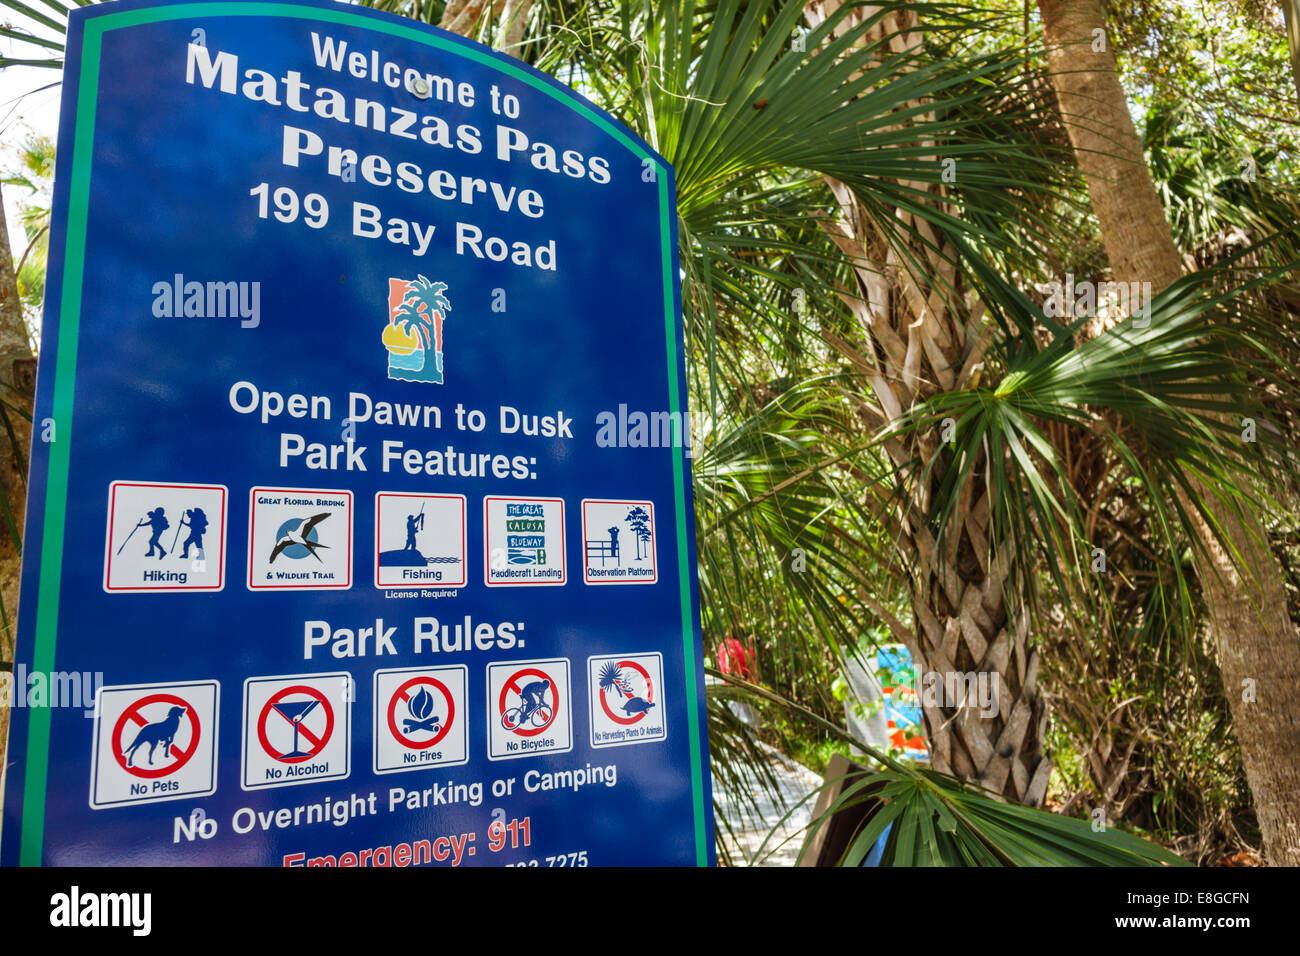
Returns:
point(419, 540)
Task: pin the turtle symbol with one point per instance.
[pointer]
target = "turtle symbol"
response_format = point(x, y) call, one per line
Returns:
point(637, 706)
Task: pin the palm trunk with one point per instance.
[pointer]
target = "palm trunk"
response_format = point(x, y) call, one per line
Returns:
point(970, 628)
point(1291, 11)
point(965, 627)
point(1257, 643)
point(466, 17)
point(17, 381)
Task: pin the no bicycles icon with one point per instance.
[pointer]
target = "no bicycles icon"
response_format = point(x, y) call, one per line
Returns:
point(529, 702)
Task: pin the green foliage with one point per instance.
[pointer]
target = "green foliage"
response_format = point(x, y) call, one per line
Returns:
point(936, 821)
point(1166, 393)
point(35, 175)
point(1224, 60)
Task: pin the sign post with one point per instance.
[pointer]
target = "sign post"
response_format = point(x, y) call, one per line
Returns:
point(366, 496)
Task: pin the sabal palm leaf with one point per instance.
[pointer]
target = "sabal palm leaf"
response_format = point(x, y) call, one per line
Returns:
point(1167, 393)
point(934, 820)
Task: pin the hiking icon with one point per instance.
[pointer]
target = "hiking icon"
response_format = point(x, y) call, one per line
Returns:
point(164, 536)
point(197, 522)
point(157, 520)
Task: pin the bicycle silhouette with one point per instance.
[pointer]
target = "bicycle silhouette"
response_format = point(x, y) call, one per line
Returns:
point(532, 709)
point(515, 716)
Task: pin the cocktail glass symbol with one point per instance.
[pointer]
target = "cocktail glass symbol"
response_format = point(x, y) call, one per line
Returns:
point(294, 711)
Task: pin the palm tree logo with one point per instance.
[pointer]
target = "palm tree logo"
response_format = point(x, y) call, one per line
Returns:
point(612, 679)
point(413, 336)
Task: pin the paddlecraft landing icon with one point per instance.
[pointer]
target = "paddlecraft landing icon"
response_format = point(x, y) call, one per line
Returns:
point(413, 335)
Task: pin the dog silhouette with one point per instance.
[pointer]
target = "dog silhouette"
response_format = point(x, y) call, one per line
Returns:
point(163, 732)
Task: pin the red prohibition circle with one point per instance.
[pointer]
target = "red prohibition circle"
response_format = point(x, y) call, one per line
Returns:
point(555, 695)
point(269, 706)
point(134, 711)
point(650, 695)
point(401, 693)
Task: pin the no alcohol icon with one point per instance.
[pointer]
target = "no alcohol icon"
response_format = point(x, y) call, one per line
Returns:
point(296, 729)
point(306, 700)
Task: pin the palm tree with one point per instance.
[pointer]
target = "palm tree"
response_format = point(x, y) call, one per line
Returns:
point(1257, 641)
point(422, 311)
point(611, 679)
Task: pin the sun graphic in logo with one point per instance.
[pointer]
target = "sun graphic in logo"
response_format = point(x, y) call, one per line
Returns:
point(413, 335)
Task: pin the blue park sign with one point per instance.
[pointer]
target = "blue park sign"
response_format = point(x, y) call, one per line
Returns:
point(360, 525)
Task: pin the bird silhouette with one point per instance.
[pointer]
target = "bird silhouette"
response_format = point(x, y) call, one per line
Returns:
point(300, 537)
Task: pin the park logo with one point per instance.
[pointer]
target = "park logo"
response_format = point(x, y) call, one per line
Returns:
point(413, 335)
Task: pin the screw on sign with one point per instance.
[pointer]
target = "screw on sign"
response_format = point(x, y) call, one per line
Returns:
point(174, 718)
point(614, 681)
point(533, 714)
point(295, 713)
point(422, 712)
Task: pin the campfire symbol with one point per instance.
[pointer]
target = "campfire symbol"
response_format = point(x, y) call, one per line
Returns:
point(420, 707)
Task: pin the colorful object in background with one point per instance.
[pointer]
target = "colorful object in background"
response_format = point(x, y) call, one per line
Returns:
point(902, 710)
point(734, 659)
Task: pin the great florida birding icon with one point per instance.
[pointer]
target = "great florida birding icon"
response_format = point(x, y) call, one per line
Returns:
point(299, 537)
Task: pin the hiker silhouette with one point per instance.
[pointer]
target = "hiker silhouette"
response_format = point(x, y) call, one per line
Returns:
point(156, 519)
point(198, 524)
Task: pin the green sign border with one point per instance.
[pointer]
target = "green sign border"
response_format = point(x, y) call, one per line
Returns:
point(65, 364)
